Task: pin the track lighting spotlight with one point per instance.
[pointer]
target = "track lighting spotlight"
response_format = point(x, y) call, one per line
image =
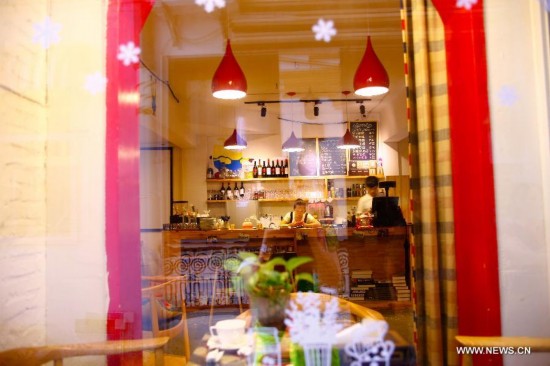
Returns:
point(316, 109)
point(263, 111)
point(362, 110)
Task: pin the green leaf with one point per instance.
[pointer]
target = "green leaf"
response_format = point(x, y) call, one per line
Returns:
point(304, 276)
point(272, 263)
point(295, 262)
point(252, 281)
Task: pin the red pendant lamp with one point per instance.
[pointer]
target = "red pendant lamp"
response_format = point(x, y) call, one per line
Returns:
point(235, 142)
point(348, 141)
point(229, 81)
point(371, 77)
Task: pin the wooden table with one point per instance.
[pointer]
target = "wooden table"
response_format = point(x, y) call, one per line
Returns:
point(404, 354)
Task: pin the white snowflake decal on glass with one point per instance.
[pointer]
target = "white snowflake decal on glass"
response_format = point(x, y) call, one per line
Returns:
point(46, 33)
point(324, 30)
point(95, 83)
point(466, 4)
point(507, 95)
point(128, 53)
point(210, 5)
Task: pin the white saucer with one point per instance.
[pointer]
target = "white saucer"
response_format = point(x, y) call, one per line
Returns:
point(213, 342)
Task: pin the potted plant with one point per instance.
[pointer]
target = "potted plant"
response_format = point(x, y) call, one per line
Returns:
point(269, 285)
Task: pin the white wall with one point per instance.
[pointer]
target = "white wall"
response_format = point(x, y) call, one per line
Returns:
point(23, 177)
point(52, 245)
point(76, 281)
point(518, 87)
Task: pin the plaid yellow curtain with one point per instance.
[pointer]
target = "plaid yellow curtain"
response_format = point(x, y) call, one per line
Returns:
point(433, 246)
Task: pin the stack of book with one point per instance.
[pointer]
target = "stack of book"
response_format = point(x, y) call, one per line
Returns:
point(361, 282)
point(383, 291)
point(402, 291)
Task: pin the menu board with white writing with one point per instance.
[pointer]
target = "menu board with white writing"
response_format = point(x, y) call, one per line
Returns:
point(367, 133)
point(364, 158)
point(332, 161)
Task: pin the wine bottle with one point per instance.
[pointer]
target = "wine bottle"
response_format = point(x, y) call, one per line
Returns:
point(268, 169)
point(210, 169)
point(222, 192)
point(260, 173)
point(380, 168)
point(264, 170)
point(277, 169)
point(255, 170)
point(236, 191)
point(241, 190)
point(286, 168)
point(273, 168)
point(228, 192)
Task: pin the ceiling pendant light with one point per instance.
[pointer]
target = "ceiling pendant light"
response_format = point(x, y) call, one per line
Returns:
point(348, 141)
point(235, 142)
point(371, 77)
point(292, 144)
point(229, 81)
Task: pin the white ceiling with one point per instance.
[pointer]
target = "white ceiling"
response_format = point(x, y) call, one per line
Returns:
point(275, 46)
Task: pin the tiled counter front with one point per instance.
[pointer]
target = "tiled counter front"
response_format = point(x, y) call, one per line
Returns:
point(202, 255)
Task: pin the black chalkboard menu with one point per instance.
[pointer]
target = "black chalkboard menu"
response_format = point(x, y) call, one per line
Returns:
point(367, 134)
point(363, 159)
point(304, 163)
point(332, 161)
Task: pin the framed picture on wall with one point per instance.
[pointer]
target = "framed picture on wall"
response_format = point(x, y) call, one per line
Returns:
point(304, 163)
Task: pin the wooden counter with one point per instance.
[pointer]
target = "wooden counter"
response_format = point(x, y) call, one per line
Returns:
point(337, 252)
point(192, 236)
point(176, 242)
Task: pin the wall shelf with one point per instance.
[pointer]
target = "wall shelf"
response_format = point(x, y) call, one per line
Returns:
point(282, 200)
point(321, 184)
point(291, 178)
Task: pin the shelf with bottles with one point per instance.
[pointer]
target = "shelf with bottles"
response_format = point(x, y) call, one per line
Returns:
point(277, 190)
point(284, 200)
point(259, 200)
point(297, 178)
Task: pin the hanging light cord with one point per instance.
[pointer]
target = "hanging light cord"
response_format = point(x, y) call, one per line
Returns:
point(161, 80)
point(310, 123)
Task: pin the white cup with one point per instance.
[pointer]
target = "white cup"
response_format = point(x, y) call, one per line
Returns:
point(229, 332)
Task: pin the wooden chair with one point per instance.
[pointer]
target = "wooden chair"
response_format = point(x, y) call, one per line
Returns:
point(166, 321)
point(535, 344)
point(35, 356)
point(238, 292)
